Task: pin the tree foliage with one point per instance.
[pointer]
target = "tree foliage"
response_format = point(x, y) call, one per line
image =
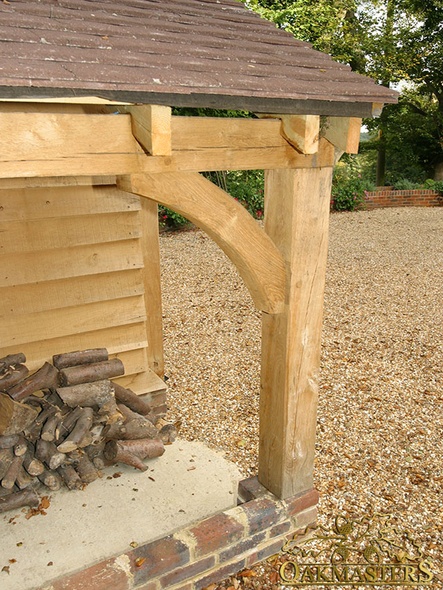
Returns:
point(391, 41)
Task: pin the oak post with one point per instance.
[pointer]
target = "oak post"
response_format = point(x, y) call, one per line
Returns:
point(297, 218)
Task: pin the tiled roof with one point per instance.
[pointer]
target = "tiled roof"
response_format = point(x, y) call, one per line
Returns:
point(177, 52)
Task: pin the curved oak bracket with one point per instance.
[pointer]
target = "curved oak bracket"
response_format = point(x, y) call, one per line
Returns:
point(252, 251)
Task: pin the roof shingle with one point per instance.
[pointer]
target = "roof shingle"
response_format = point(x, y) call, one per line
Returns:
point(206, 53)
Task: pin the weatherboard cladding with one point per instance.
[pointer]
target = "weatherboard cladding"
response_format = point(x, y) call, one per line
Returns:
point(178, 52)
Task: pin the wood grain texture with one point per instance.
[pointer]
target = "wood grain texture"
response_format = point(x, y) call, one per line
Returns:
point(22, 204)
point(41, 297)
point(343, 133)
point(151, 127)
point(200, 133)
point(152, 285)
point(30, 267)
point(297, 217)
point(146, 382)
point(51, 145)
point(24, 328)
point(72, 273)
point(255, 256)
point(117, 338)
point(68, 232)
point(301, 131)
point(43, 144)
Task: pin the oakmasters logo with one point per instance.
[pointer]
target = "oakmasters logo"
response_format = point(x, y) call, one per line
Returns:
point(368, 551)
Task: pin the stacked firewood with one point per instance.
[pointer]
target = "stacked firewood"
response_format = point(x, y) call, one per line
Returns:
point(64, 423)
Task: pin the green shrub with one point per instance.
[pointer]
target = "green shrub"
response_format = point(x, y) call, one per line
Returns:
point(403, 184)
point(349, 186)
point(169, 219)
point(435, 185)
point(246, 186)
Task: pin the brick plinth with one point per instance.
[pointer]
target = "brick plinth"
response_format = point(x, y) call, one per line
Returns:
point(207, 551)
point(387, 197)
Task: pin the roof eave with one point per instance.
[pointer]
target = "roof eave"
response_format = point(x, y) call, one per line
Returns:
point(297, 106)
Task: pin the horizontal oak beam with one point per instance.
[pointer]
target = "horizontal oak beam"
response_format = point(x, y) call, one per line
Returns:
point(53, 145)
point(254, 254)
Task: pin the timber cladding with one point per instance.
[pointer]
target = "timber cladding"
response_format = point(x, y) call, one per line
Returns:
point(72, 275)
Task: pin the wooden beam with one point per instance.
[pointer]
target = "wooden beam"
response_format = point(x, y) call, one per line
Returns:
point(254, 254)
point(202, 133)
point(297, 216)
point(48, 144)
point(151, 126)
point(233, 158)
point(301, 131)
point(343, 133)
point(39, 145)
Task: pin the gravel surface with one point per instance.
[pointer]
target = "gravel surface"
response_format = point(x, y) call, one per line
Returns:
point(380, 418)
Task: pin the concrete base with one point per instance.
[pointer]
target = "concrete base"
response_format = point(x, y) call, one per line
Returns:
point(126, 507)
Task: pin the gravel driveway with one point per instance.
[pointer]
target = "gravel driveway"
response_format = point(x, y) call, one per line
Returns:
point(380, 418)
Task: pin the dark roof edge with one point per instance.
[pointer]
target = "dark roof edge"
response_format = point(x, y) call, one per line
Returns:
point(363, 108)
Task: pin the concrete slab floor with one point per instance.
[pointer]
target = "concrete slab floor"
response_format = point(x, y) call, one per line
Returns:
point(188, 483)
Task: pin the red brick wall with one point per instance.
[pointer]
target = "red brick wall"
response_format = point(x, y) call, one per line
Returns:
point(387, 197)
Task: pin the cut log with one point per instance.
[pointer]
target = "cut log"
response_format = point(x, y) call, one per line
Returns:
point(168, 433)
point(86, 470)
point(68, 422)
point(32, 432)
point(133, 430)
point(32, 465)
point(24, 479)
point(27, 497)
point(6, 456)
point(7, 442)
point(21, 446)
point(5, 492)
point(51, 480)
point(54, 399)
point(11, 361)
point(87, 394)
point(95, 454)
point(91, 373)
point(14, 416)
point(70, 477)
point(144, 448)
point(50, 429)
point(48, 453)
point(45, 378)
point(114, 453)
point(131, 400)
point(10, 476)
point(12, 376)
point(135, 427)
point(111, 412)
point(80, 357)
point(132, 452)
point(78, 436)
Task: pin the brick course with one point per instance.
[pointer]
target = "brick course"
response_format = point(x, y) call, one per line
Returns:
point(205, 552)
point(387, 197)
